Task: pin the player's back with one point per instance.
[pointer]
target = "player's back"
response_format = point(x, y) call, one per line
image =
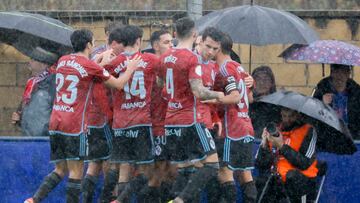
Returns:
point(237, 121)
point(232, 68)
point(132, 104)
point(178, 66)
point(74, 80)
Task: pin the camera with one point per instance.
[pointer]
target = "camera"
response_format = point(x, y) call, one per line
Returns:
point(272, 129)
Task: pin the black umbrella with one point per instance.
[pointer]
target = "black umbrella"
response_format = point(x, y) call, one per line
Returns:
point(259, 25)
point(333, 135)
point(26, 31)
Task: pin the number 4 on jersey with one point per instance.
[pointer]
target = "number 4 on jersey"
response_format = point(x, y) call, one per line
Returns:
point(170, 82)
point(244, 101)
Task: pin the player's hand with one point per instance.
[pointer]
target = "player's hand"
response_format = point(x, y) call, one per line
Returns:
point(133, 64)
point(278, 142)
point(210, 101)
point(218, 127)
point(105, 58)
point(15, 117)
point(327, 98)
point(264, 141)
point(249, 81)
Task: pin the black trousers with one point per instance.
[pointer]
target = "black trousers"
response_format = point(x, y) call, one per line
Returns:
point(272, 189)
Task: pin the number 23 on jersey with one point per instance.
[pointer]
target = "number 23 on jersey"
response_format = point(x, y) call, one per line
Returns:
point(70, 94)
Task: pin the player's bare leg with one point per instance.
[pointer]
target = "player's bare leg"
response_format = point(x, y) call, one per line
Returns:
point(227, 184)
point(105, 166)
point(94, 168)
point(247, 185)
point(157, 173)
point(61, 169)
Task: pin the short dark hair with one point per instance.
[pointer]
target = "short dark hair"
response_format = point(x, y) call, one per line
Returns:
point(226, 44)
point(340, 66)
point(155, 36)
point(80, 38)
point(115, 35)
point(183, 27)
point(213, 33)
point(235, 57)
point(111, 25)
point(130, 34)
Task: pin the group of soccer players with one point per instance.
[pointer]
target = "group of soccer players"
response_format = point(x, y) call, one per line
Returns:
point(170, 123)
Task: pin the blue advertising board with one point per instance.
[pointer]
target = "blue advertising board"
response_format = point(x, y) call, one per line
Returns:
point(24, 163)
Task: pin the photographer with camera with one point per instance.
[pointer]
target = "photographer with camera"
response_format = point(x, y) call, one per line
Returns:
point(286, 159)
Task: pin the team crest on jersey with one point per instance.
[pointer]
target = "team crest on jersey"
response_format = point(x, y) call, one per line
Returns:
point(106, 73)
point(240, 69)
point(248, 140)
point(157, 150)
point(198, 70)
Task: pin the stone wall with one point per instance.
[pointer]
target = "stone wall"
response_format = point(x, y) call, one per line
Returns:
point(294, 76)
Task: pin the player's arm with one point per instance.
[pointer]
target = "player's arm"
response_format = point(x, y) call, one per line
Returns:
point(121, 81)
point(202, 92)
point(232, 93)
point(232, 98)
point(104, 58)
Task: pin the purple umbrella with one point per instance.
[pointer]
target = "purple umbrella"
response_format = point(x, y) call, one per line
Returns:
point(325, 52)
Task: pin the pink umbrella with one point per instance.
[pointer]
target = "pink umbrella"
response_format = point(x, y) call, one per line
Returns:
point(325, 52)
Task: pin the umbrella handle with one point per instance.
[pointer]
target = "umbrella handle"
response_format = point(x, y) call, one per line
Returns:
point(250, 50)
point(323, 69)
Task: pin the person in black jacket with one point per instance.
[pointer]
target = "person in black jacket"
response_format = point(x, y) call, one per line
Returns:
point(343, 94)
point(286, 160)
